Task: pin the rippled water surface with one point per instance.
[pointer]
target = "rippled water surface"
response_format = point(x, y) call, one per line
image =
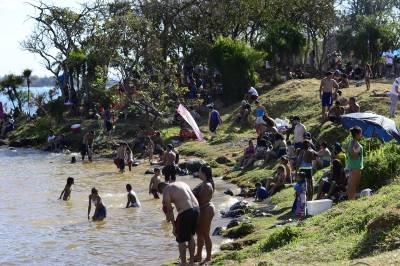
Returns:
point(38, 229)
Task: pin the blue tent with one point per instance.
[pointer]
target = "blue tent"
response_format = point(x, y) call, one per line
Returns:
point(372, 125)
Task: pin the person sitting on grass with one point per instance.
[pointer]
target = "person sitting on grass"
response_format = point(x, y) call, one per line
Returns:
point(277, 183)
point(324, 156)
point(288, 168)
point(260, 112)
point(353, 106)
point(335, 112)
point(300, 188)
point(279, 148)
point(261, 193)
point(339, 154)
point(261, 148)
point(334, 183)
point(248, 156)
point(245, 110)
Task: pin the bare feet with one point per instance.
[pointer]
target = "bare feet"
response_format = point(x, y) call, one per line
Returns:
point(197, 258)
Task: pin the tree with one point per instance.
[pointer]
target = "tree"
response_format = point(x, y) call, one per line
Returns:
point(237, 63)
point(370, 36)
point(27, 75)
point(9, 86)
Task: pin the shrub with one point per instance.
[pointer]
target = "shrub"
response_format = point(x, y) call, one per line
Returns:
point(381, 165)
point(241, 230)
point(237, 63)
point(280, 238)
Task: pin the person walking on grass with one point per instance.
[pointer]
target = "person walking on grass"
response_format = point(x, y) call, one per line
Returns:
point(355, 161)
point(326, 91)
point(214, 120)
point(368, 76)
point(394, 97)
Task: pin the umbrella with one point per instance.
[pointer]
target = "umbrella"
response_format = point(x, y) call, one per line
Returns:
point(372, 125)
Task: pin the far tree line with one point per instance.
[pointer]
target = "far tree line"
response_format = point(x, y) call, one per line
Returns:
point(147, 43)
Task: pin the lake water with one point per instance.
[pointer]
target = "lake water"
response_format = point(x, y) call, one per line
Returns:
point(38, 229)
point(33, 91)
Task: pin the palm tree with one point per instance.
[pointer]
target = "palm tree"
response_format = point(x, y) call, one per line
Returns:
point(27, 75)
point(10, 83)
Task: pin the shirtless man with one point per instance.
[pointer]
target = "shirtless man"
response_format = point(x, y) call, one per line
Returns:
point(155, 180)
point(121, 154)
point(185, 225)
point(87, 145)
point(169, 170)
point(326, 91)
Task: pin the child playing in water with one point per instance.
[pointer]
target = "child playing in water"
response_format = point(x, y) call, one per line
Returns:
point(150, 149)
point(129, 157)
point(133, 200)
point(155, 180)
point(67, 189)
point(100, 211)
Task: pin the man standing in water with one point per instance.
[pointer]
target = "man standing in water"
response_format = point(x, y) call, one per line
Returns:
point(326, 93)
point(169, 170)
point(87, 145)
point(187, 206)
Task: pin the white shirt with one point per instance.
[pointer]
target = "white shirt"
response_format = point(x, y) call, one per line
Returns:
point(299, 131)
point(253, 92)
point(395, 87)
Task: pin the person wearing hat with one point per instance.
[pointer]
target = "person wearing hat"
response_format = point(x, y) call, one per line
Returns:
point(326, 91)
point(394, 97)
point(169, 170)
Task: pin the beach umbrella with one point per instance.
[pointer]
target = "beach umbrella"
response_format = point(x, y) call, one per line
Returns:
point(372, 125)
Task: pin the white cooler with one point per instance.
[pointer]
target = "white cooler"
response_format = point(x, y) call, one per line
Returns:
point(318, 206)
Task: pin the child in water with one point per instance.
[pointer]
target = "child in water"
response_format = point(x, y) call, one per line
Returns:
point(67, 189)
point(155, 180)
point(133, 200)
point(100, 211)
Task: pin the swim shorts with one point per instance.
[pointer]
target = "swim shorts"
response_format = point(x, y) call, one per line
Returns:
point(169, 172)
point(186, 225)
point(327, 99)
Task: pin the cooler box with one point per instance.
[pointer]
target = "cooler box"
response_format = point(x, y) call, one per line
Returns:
point(318, 206)
point(76, 128)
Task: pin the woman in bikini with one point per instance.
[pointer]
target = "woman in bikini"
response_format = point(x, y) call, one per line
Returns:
point(204, 193)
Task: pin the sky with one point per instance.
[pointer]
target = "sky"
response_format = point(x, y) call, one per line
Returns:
point(15, 26)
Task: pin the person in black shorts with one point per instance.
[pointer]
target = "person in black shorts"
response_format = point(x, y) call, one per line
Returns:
point(184, 227)
point(169, 170)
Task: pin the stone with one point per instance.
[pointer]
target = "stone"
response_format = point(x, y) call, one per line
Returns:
point(222, 160)
point(149, 172)
point(228, 192)
point(233, 223)
point(217, 231)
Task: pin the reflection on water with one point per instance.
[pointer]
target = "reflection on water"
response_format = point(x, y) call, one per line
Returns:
point(36, 228)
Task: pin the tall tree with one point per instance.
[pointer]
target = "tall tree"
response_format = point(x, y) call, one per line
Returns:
point(27, 75)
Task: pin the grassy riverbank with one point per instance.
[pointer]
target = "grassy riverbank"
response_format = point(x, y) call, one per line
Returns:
point(365, 230)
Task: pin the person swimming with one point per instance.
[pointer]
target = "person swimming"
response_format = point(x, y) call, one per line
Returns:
point(100, 211)
point(67, 189)
point(133, 200)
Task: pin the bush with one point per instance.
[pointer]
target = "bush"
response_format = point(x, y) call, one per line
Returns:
point(241, 230)
point(381, 166)
point(237, 63)
point(280, 238)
